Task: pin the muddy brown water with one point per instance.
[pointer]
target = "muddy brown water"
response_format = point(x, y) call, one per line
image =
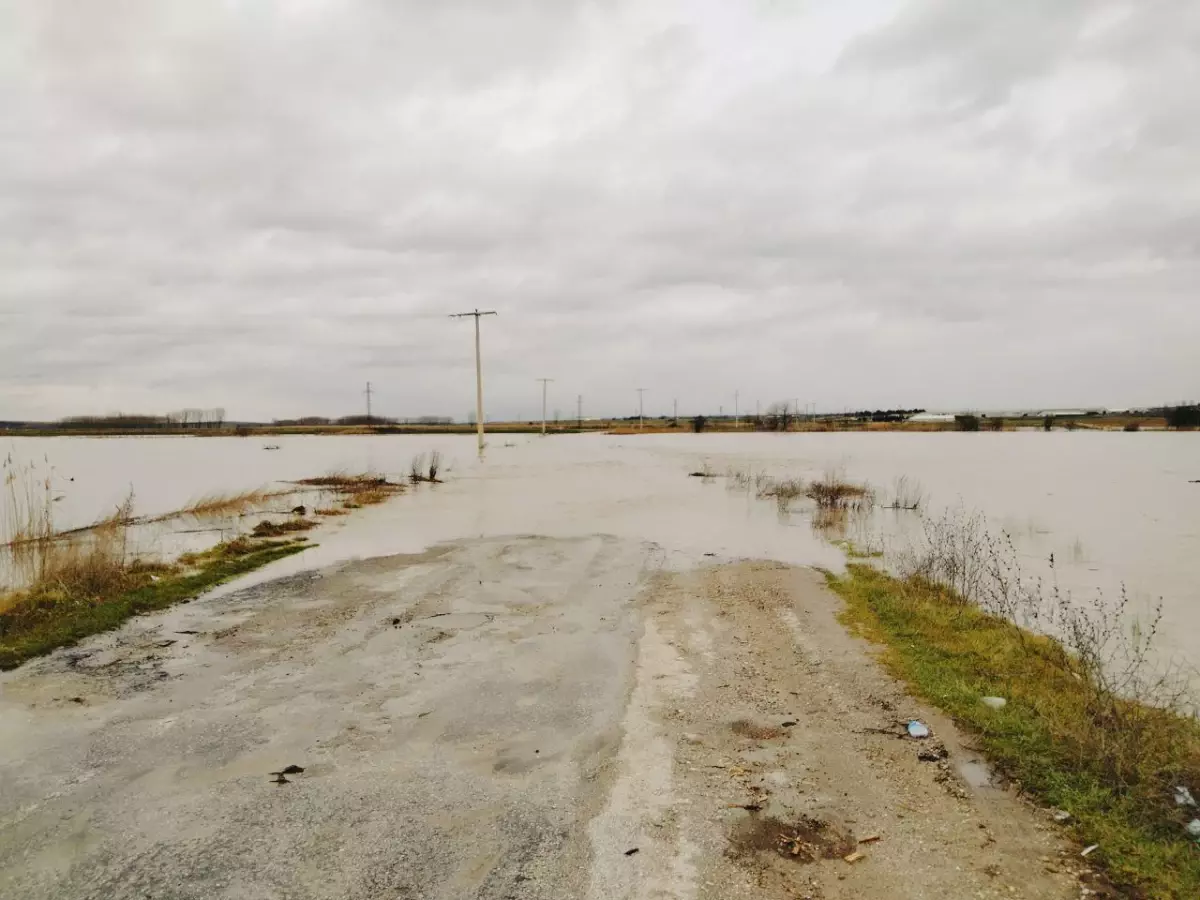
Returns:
point(1113, 509)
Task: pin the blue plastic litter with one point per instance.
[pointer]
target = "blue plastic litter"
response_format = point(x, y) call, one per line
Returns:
point(918, 729)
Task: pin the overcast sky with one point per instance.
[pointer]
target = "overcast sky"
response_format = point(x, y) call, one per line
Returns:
point(262, 204)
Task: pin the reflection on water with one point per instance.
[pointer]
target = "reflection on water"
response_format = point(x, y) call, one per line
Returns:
point(1111, 508)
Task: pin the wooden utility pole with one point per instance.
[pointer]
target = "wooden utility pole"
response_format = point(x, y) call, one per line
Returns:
point(478, 371)
point(579, 410)
point(544, 381)
point(641, 409)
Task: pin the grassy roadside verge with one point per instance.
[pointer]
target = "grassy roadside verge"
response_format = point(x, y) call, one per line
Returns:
point(46, 617)
point(1112, 764)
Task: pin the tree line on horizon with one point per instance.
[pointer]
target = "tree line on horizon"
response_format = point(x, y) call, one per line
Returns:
point(778, 417)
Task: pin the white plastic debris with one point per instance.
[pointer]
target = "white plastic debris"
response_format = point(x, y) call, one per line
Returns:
point(1088, 851)
point(1193, 828)
point(994, 702)
point(1061, 815)
point(1183, 797)
point(918, 729)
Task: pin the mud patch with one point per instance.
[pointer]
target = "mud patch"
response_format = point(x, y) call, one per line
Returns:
point(756, 731)
point(806, 840)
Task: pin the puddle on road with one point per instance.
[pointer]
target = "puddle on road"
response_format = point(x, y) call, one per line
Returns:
point(976, 773)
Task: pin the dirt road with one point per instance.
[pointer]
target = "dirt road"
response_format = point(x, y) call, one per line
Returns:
point(505, 718)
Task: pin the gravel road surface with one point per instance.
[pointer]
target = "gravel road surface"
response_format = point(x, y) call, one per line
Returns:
point(523, 717)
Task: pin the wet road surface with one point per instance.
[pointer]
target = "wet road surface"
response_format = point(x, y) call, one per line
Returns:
point(503, 717)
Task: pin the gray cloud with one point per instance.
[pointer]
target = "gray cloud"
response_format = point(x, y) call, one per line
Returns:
point(868, 203)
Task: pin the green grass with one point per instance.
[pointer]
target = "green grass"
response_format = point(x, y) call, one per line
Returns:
point(42, 619)
point(1111, 763)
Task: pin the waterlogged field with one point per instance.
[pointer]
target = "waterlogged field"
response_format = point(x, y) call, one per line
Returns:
point(1084, 512)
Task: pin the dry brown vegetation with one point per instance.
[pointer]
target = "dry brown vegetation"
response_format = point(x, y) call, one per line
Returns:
point(784, 489)
point(374, 496)
point(94, 566)
point(279, 529)
point(357, 490)
point(345, 483)
point(225, 504)
point(419, 471)
point(834, 492)
point(28, 503)
point(831, 492)
point(92, 586)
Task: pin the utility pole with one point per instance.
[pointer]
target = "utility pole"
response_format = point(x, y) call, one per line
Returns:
point(579, 410)
point(478, 372)
point(641, 409)
point(675, 414)
point(368, 392)
point(736, 424)
point(544, 381)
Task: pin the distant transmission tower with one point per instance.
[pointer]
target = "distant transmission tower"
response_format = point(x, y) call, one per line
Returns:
point(368, 392)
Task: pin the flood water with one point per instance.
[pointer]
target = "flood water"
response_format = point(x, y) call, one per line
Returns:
point(1113, 508)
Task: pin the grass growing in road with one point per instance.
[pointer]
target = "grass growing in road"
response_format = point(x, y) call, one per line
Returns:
point(58, 613)
point(1112, 763)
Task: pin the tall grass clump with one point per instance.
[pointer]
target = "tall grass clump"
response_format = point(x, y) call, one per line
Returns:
point(783, 490)
point(832, 491)
point(1094, 724)
point(416, 469)
point(907, 494)
point(27, 515)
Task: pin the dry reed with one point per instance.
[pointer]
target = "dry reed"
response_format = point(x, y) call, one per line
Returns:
point(224, 504)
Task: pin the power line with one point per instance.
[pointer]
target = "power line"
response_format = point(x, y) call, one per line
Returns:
point(478, 371)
